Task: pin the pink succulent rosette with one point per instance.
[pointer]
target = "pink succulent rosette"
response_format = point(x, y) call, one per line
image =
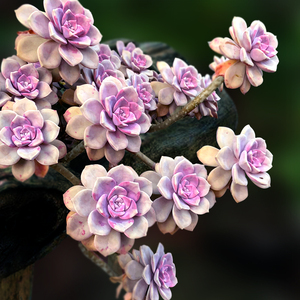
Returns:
point(110, 210)
point(181, 83)
point(185, 193)
point(109, 120)
point(209, 107)
point(239, 156)
point(20, 80)
point(250, 51)
point(105, 53)
point(105, 69)
point(28, 139)
point(63, 37)
point(144, 90)
point(133, 58)
point(148, 275)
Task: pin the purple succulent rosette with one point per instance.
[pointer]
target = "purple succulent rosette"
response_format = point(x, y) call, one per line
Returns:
point(239, 156)
point(105, 53)
point(144, 90)
point(20, 80)
point(185, 193)
point(63, 37)
point(109, 120)
point(105, 69)
point(209, 107)
point(28, 139)
point(250, 51)
point(181, 84)
point(133, 58)
point(148, 275)
point(110, 210)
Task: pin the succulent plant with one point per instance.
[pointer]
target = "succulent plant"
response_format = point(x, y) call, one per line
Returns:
point(110, 210)
point(185, 193)
point(250, 51)
point(28, 139)
point(20, 80)
point(109, 121)
point(239, 156)
point(147, 274)
point(133, 58)
point(63, 36)
point(181, 83)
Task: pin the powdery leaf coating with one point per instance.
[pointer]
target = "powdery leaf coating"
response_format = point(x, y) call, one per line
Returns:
point(146, 274)
point(240, 155)
point(113, 206)
point(185, 193)
point(28, 134)
point(69, 35)
point(250, 51)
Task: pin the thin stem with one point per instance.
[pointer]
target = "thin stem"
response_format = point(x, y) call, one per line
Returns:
point(77, 150)
point(66, 173)
point(98, 261)
point(189, 106)
point(145, 159)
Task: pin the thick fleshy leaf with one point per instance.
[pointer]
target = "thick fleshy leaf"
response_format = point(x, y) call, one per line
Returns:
point(48, 156)
point(225, 137)
point(6, 117)
point(166, 166)
point(138, 229)
point(262, 180)
point(126, 244)
point(70, 54)
point(140, 289)
point(69, 73)
point(143, 204)
point(84, 92)
point(84, 203)
point(120, 225)
point(50, 115)
point(238, 192)
point(113, 156)
point(76, 127)
point(162, 208)
point(44, 90)
point(215, 44)
point(117, 140)
point(48, 55)
point(181, 217)
point(165, 187)
point(166, 95)
point(90, 175)
point(226, 158)
point(169, 226)
point(8, 155)
point(134, 270)
point(207, 155)
point(194, 222)
point(94, 154)
point(254, 75)
point(77, 227)
point(23, 13)
point(23, 169)
point(23, 105)
point(229, 49)
point(98, 224)
point(95, 137)
point(234, 75)
point(270, 65)
point(108, 244)
point(40, 170)
point(38, 22)
point(90, 58)
point(70, 194)
point(50, 131)
point(218, 178)
point(154, 178)
point(202, 208)
point(91, 109)
point(238, 175)
point(29, 153)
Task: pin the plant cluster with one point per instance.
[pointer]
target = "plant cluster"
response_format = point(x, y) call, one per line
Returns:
point(63, 82)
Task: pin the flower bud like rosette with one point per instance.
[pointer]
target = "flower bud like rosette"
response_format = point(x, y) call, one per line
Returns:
point(112, 208)
point(144, 90)
point(66, 33)
point(20, 80)
point(181, 83)
point(239, 156)
point(250, 51)
point(185, 193)
point(28, 139)
point(134, 58)
point(148, 274)
point(109, 121)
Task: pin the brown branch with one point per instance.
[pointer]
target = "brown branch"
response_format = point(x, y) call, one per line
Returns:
point(66, 173)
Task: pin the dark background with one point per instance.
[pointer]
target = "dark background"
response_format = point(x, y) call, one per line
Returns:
point(237, 251)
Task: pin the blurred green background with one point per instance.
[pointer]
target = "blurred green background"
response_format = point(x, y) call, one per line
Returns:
point(237, 251)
